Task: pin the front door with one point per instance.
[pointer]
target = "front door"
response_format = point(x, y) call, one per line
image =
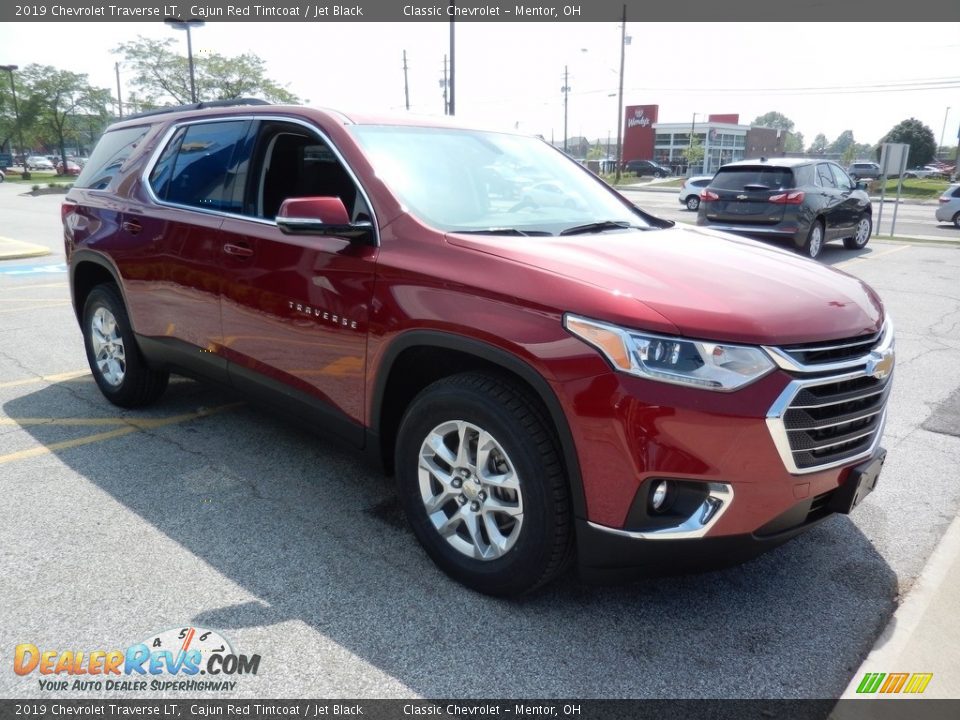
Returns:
point(295, 307)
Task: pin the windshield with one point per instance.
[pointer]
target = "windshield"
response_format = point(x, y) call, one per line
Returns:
point(472, 181)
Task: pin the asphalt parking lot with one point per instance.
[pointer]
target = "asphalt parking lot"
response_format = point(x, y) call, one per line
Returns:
point(204, 511)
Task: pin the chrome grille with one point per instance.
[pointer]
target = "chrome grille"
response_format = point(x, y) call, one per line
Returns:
point(824, 420)
point(834, 351)
point(829, 423)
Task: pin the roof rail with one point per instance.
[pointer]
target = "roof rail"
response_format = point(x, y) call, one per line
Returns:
point(199, 106)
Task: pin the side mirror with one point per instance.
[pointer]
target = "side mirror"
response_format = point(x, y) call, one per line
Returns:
point(862, 184)
point(321, 216)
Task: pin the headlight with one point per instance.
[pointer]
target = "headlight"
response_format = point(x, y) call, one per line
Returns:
point(707, 365)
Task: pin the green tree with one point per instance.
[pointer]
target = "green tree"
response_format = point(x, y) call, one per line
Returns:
point(56, 97)
point(794, 142)
point(694, 153)
point(843, 143)
point(918, 136)
point(596, 152)
point(161, 76)
point(775, 120)
point(819, 145)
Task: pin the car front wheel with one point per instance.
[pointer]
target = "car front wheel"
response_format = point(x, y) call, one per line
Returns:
point(482, 484)
point(693, 202)
point(862, 235)
point(112, 352)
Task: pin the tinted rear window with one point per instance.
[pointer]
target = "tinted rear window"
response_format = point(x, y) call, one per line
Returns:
point(113, 149)
point(739, 177)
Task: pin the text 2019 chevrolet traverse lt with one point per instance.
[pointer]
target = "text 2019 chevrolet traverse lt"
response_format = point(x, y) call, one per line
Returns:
point(548, 382)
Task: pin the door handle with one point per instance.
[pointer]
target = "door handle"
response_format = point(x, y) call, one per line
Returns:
point(131, 226)
point(238, 250)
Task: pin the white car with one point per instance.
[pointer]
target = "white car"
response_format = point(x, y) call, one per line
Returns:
point(690, 191)
point(948, 209)
point(38, 162)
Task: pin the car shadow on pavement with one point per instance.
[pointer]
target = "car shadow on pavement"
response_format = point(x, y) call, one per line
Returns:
point(311, 534)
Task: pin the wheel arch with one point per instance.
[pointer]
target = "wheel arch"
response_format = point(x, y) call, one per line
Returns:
point(87, 270)
point(419, 357)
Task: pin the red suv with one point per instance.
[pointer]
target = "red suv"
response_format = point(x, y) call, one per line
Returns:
point(548, 381)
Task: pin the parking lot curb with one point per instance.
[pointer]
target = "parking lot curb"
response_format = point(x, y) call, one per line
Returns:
point(922, 636)
point(17, 249)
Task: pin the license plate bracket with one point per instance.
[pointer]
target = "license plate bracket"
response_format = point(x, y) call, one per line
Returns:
point(860, 483)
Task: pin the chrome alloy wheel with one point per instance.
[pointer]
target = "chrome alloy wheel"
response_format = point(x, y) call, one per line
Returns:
point(816, 240)
point(470, 490)
point(108, 350)
point(863, 232)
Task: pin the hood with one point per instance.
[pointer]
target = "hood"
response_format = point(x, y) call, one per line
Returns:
point(709, 284)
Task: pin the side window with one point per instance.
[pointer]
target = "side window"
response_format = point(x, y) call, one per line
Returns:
point(292, 162)
point(163, 169)
point(824, 176)
point(207, 166)
point(841, 178)
point(108, 156)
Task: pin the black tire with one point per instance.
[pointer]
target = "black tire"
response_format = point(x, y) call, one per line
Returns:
point(543, 542)
point(127, 382)
point(812, 246)
point(863, 232)
point(956, 220)
point(693, 203)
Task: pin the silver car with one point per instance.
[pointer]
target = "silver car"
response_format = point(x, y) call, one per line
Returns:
point(690, 190)
point(949, 208)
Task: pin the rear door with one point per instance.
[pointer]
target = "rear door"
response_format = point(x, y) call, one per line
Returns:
point(851, 202)
point(830, 205)
point(748, 195)
point(174, 289)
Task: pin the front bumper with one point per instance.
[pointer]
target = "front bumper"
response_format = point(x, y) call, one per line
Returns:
point(631, 433)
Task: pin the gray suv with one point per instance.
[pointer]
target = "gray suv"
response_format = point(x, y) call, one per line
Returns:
point(864, 171)
point(807, 202)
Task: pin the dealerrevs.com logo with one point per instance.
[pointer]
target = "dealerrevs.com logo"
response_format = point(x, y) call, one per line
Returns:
point(171, 660)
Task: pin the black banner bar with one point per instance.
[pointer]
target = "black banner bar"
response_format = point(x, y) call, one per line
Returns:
point(177, 709)
point(472, 11)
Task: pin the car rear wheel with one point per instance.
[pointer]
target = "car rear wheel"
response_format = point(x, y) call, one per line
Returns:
point(814, 243)
point(956, 220)
point(112, 352)
point(481, 482)
point(693, 202)
point(862, 236)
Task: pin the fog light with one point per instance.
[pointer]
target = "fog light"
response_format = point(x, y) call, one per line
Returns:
point(659, 495)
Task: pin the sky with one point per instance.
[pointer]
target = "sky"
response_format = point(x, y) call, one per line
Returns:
point(826, 77)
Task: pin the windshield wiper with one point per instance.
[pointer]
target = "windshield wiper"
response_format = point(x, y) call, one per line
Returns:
point(598, 227)
point(502, 231)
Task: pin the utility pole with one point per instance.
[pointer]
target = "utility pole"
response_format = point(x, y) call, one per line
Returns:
point(406, 87)
point(453, 55)
point(116, 67)
point(566, 93)
point(623, 50)
point(445, 85)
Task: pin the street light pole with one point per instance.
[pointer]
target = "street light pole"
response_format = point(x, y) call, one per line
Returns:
point(178, 24)
point(16, 114)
